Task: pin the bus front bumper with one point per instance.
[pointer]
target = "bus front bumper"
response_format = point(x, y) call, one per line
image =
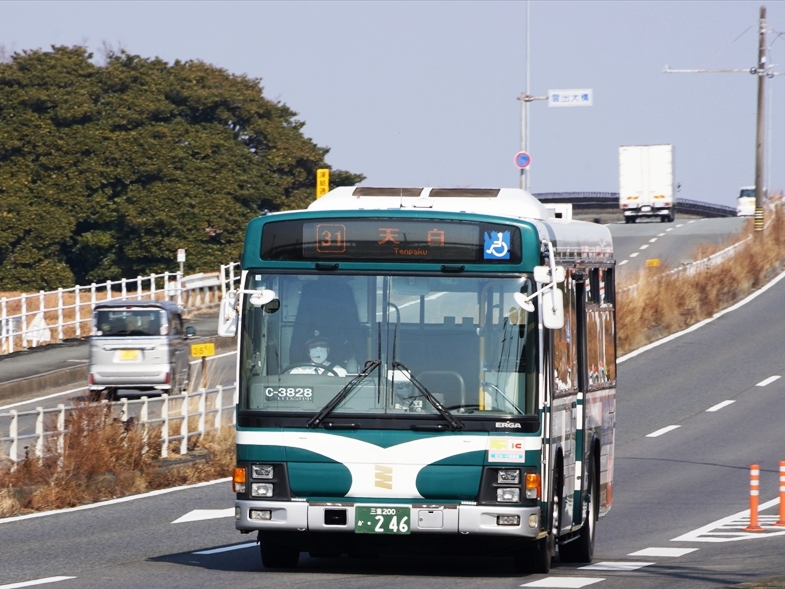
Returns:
point(425, 518)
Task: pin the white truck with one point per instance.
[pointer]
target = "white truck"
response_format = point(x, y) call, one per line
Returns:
point(745, 205)
point(646, 182)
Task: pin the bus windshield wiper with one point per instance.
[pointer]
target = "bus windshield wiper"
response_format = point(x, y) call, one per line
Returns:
point(369, 367)
point(455, 423)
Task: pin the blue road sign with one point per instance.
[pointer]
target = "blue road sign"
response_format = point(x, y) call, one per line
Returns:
point(522, 159)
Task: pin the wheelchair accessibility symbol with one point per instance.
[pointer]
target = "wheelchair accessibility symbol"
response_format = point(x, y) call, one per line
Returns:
point(497, 245)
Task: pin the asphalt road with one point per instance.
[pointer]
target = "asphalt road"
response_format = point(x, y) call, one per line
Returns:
point(676, 493)
point(679, 502)
point(673, 244)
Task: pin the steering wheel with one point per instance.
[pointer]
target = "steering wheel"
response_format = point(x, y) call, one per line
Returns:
point(324, 369)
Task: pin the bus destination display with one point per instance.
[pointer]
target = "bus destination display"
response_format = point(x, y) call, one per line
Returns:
point(405, 240)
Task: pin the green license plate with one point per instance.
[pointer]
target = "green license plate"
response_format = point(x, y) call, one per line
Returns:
point(382, 520)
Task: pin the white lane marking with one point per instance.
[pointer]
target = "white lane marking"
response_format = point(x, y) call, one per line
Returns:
point(769, 380)
point(680, 225)
point(615, 566)
point(670, 229)
point(663, 552)
point(68, 392)
point(653, 239)
point(623, 262)
point(35, 582)
point(644, 246)
point(564, 582)
point(230, 548)
point(688, 222)
point(719, 406)
point(8, 520)
point(52, 396)
point(661, 234)
point(202, 514)
point(700, 324)
point(728, 529)
point(634, 255)
point(664, 430)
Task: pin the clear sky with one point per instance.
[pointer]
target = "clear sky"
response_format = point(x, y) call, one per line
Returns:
point(425, 93)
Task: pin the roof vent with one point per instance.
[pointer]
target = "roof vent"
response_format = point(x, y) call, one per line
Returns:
point(367, 191)
point(464, 192)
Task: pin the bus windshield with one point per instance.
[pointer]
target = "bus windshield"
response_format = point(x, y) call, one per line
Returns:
point(463, 339)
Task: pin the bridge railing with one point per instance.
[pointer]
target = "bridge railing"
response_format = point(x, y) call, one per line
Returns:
point(610, 201)
point(179, 418)
point(33, 319)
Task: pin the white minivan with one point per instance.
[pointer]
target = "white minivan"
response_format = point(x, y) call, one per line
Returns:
point(138, 345)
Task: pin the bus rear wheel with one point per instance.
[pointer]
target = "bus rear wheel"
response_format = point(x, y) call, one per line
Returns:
point(278, 556)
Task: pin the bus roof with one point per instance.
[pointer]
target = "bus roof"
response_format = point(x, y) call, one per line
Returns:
point(505, 202)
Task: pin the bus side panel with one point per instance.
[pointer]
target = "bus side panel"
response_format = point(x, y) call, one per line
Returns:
point(600, 411)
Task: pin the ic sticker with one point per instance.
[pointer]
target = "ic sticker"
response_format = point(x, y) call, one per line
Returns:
point(497, 245)
point(506, 450)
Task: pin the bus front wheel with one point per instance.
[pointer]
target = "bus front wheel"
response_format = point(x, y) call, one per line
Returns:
point(278, 556)
point(582, 548)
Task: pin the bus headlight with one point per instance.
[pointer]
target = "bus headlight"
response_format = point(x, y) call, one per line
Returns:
point(505, 476)
point(261, 471)
point(261, 489)
point(508, 495)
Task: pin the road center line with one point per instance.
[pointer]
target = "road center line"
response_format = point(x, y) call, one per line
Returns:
point(768, 381)
point(564, 582)
point(615, 566)
point(43, 581)
point(623, 262)
point(652, 240)
point(227, 548)
point(664, 430)
point(643, 247)
point(633, 255)
point(663, 552)
point(719, 406)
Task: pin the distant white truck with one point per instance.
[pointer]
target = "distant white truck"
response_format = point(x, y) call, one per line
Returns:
point(646, 182)
point(745, 205)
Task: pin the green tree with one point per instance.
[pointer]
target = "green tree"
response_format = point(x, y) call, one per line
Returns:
point(106, 170)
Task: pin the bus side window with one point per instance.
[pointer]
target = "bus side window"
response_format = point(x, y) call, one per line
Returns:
point(565, 343)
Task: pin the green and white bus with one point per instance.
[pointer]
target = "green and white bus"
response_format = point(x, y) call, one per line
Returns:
point(427, 371)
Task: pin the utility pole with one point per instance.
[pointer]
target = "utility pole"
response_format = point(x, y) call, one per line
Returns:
point(763, 71)
point(525, 99)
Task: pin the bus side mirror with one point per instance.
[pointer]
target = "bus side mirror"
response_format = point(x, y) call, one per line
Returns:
point(553, 308)
point(227, 315)
point(542, 274)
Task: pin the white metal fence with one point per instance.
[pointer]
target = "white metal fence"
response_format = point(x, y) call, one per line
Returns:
point(26, 433)
point(34, 319)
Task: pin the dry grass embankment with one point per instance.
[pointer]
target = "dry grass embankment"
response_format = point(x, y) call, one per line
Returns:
point(100, 457)
point(657, 304)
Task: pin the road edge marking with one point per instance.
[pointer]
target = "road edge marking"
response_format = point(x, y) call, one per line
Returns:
point(126, 499)
point(700, 324)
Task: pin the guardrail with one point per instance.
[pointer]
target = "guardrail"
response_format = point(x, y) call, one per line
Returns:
point(610, 200)
point(173, 413)
point(33, 319)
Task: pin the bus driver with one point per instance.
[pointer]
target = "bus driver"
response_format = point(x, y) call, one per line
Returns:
point(318, 349)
